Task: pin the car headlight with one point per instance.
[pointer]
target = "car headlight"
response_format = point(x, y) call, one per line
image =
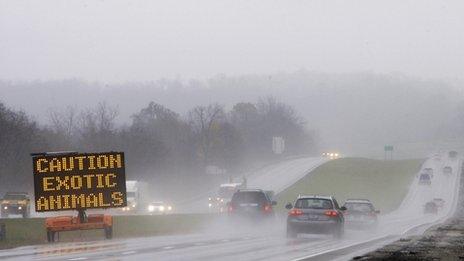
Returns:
point(133, 205)
point(169, 208)
point(336, 154)
point(5, 207)
point(151, 208)
point(20, 208)
point(161, 208)
point(210, 205)
point(222, 200)
point(217, 199)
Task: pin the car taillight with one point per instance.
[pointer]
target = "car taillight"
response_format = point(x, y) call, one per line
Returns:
point(331, 213)
point(230, 208)
point(267, 208)
point(295, 212)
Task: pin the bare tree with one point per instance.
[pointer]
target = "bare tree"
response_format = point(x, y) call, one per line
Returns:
point(205, 122)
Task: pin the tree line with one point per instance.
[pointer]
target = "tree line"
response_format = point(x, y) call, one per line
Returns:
point(158, 142)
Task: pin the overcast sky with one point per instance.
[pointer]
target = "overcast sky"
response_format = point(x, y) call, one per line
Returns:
point(115, 40)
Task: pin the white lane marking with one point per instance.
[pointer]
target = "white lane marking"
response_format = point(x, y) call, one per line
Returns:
point(225, 240)
point(199, 244)
point(78, 258)
point(128, 252)
point(168, 247)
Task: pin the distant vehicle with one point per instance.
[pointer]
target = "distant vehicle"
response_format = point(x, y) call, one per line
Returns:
point(251, 204)
point(425, 179)
point(332, 155)
point(429, 171)
point(136, 192)
point(315, 215)
point(15, 203)
point(430, 208)
point(360, 213)
point(447, 170)
point(452, 154)
point(159, 207)
point(439, 202)
point(223, 196)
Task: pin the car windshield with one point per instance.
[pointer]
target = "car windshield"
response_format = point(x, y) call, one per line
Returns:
point(249, 197)
point(15, 197)
point(362, 207)
point(314, 203)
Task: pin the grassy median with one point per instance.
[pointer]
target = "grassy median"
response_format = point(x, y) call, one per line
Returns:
point(385, 183)
point(31, 231)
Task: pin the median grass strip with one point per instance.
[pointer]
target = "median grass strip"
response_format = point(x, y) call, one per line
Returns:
point(31, 231)
point(385, 183)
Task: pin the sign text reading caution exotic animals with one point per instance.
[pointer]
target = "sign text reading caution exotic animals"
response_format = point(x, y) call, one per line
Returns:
point(79, 181)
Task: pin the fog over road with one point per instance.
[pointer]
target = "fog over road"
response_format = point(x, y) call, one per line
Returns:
point(268, 242)
point(275, 177)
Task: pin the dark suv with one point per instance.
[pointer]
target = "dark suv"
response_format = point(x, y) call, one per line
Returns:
point(315, 215)
point(251, 204)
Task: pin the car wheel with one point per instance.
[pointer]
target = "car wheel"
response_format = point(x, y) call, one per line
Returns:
point(291, 233)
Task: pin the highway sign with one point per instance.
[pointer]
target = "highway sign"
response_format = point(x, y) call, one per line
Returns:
point(388, 148)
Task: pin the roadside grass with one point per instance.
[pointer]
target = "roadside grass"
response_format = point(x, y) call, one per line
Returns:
point(385, 183)
point(31, 231)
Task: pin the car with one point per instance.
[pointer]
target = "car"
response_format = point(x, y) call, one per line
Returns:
point(425, 179)
point(430, 208)
point(15, 203)
point(251, 204)
point(439, 202)
point(218, 202)
point(315, 214)
point(447, 170)
point(429, 171)
point(360, 213)
point(159, 207)
point(452, 154)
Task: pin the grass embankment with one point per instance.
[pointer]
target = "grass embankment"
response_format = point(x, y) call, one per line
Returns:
point(385, 183)
point(31, 231)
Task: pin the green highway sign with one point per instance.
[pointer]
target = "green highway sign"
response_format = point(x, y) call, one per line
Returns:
point(388, 148)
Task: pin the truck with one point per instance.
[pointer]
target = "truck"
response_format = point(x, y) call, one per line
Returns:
point(218, 202)
point(137, 200)
point(15, 203)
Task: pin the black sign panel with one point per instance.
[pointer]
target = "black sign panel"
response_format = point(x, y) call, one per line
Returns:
point(79, 181)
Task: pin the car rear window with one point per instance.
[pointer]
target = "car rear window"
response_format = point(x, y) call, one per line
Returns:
point(362, 207)
point(249, 197)
point(313, 203)
point(424, 176)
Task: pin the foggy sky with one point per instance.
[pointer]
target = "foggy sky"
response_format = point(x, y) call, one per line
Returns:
point(117, 41)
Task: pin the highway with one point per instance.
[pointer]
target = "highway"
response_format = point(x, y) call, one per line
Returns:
point(268, 242)
point(275, 177)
